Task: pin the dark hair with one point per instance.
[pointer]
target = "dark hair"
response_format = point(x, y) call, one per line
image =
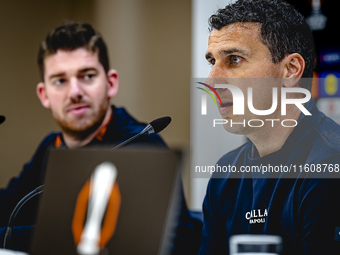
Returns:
point(70, 36)
point(283, 29)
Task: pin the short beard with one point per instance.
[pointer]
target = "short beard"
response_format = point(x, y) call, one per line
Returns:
point(83, 132)
point(79, 130)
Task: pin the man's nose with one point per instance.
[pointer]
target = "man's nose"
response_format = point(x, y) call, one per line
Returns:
point(76, 91)
point(214, 72)
point(216, 76)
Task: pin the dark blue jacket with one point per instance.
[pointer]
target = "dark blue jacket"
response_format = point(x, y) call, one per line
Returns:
point(121, 127)
point(304, 210)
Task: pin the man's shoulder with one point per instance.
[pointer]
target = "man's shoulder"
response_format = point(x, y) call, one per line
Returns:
point(34, 166)
point(326, 138)
point(49, 139)
point(124, 121)
point(124, 126)
point(329, 131)
point(46, 143)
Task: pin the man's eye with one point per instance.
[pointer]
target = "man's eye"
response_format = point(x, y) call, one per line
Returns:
point(234, 59)
point(211, 61)
point(88, 77)
point(59, 82)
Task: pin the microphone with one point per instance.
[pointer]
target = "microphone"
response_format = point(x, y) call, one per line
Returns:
point(2, 119)
point(7, 239)
point(153, 127)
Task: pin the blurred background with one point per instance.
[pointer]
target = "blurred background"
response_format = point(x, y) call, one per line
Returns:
point(156, 46)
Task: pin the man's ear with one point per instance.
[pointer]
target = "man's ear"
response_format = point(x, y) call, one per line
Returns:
point(41, 93)
point(112, 77)
point(294, 68)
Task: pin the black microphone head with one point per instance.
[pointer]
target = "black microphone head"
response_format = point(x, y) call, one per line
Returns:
point(159, 124)
point(2, 119)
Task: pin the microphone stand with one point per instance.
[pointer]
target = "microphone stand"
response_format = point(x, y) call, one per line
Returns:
point(8, 234)
point(154, 126)
point(146, 131)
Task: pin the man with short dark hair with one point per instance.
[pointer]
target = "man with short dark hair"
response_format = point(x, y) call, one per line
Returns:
point(263, 46)
point(77, 85)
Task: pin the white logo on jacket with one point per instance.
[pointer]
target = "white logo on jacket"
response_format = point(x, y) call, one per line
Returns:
point(257, 216)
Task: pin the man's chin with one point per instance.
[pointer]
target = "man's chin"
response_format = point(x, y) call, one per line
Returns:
point(234, 130)
point(79, 129)
point(235, 126)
